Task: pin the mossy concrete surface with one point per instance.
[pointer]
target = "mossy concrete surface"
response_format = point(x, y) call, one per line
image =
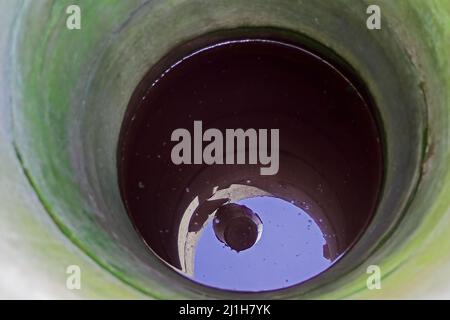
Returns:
point(64, 92)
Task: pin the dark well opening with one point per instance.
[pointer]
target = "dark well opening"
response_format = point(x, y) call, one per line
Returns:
point(234, 225)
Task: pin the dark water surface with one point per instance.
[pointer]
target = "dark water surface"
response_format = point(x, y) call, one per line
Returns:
point(304, 217)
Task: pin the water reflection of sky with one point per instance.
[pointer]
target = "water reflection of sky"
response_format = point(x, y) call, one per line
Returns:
point(290, 251)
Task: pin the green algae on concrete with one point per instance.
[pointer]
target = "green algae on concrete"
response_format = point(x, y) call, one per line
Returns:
point(69, 90)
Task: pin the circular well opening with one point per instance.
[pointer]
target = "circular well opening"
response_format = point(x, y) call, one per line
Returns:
point(306, 165)
point(69, 114)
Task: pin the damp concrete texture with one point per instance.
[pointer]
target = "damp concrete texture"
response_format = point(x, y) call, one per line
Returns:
point(59, 200)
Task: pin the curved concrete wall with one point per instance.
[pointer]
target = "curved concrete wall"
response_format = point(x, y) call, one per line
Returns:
point(63, 94)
